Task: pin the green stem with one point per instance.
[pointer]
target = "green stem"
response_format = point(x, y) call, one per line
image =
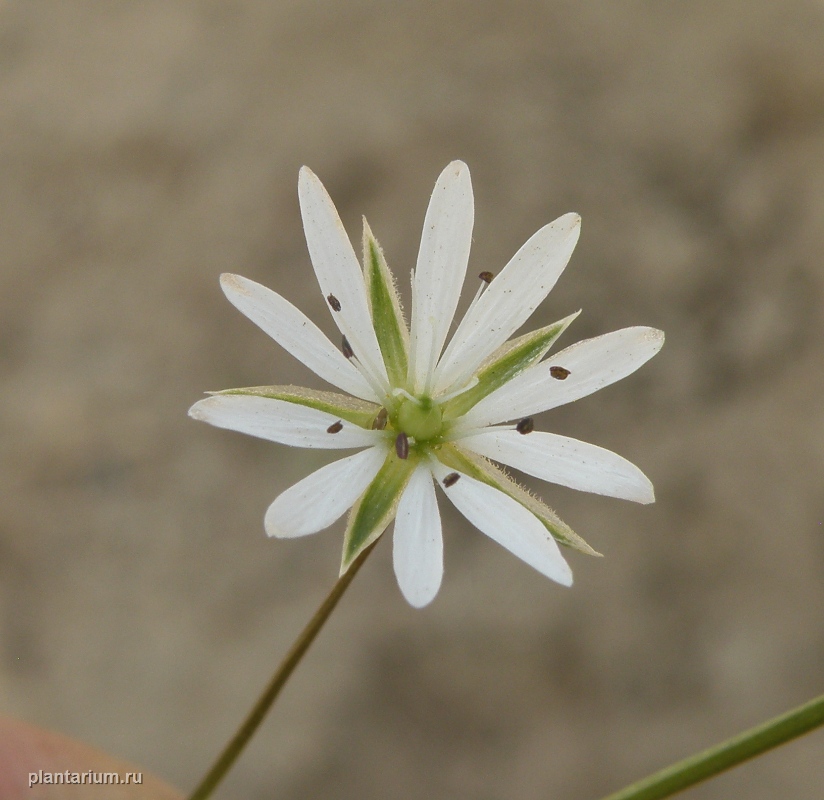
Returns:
point(727, 754)
point(245, 732)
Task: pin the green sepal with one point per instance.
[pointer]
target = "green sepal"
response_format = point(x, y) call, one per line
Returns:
point(377, 506)
point(358, 412)
point(482, 469)
point(509, 360)
point(387, 317)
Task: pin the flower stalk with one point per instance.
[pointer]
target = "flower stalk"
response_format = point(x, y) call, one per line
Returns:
point(244, 733)
point(727, 754)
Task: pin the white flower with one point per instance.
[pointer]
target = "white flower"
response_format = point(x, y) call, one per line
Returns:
point(425, 416)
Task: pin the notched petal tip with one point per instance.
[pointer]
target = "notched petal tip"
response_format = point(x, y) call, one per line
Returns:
point(569, 225)
point(656, 336)
point(198, 412)
point(569, 220)
point(234, 285)
point(650, 339)
point(455, 177)
point(308, 182)
point(565, 579)
point(271, 529)
point(653, 336)
point(276, 531)
point(636, 487)
point(208, 409)
point(306, 174)
point(418, 602)
point(647, 494)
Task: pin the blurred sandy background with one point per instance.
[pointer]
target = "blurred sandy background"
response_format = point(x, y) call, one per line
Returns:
point(148, 146)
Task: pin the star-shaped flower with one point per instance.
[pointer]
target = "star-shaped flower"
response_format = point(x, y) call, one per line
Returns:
point(424, 415)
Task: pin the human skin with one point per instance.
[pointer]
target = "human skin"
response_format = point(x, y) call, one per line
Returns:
point(26, 749)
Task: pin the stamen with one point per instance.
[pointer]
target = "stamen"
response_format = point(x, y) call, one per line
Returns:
point(411, 370)
point(459, 431)
point(451, 479)
point(403, 393)
point(471, 385)
point(426, 388)
point(486, 278)
point(559, 373)
point(480, 291)
point(377, 385)
point(526, 425)
point(333, 302)
point(379, 423)
point(434, 354)
point(402, 446)
point(348, 352)
point(335, 427)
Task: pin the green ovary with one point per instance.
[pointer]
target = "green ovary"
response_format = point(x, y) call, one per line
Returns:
point(421, 420)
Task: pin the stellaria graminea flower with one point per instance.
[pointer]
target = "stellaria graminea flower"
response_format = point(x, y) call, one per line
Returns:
point(425, 414)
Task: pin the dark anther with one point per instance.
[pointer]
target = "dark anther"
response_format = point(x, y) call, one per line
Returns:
point(333, 301)
point(559, 373)
point(486, 276)
point(379, 423)
point(526, 425)
point(346, 347)
point(451, 479)
point(335, 427)
point(402, 445)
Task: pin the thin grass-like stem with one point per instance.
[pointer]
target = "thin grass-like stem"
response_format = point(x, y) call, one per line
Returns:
point(727, 754)
point(234, 748)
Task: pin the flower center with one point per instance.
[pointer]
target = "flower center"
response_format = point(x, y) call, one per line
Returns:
point(420, 418)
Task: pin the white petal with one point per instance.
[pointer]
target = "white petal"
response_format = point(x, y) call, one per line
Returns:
point(339, 273)
point(418, 544)
point(324, 496)
point(564, 461)
point(441, 268)
point(509, 300)
point(507, 522)
point(295, 333)
point(592, 364)
point(281, 421)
